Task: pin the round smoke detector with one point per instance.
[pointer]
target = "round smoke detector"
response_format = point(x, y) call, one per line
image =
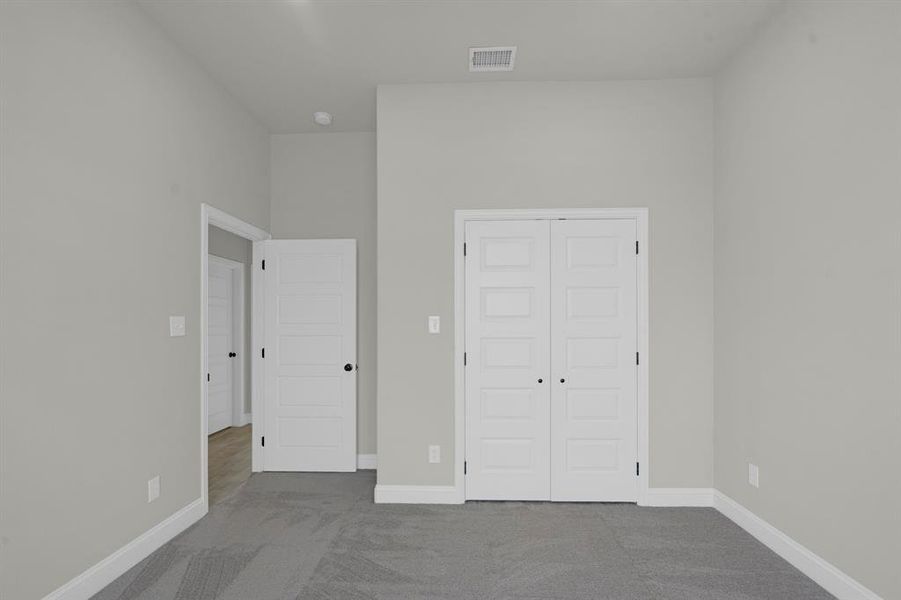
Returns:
point(322, 118)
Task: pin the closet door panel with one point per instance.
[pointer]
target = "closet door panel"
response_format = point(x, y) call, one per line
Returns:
point(593, 326)
point(507, 345)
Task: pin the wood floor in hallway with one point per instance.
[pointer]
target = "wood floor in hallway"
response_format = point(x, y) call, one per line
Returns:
point(229, 461)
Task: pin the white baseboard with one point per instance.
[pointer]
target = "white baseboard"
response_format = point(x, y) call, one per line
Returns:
point(246, 419)
point(107, 570)
point(417, 494)
point(367, 462)
point(683, 497)
point(832, 579)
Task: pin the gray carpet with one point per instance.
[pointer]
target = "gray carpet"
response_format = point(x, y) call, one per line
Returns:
point(314, 536)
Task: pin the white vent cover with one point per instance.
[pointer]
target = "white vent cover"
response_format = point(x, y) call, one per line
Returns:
point(499, 58)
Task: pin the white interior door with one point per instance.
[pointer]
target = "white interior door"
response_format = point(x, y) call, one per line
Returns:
point(594, 339)
point(310, 379)
point(507, 360)
point(220, 389)
point(551, 375)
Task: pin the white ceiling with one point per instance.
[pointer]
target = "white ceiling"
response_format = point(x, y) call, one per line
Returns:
point(284, 59)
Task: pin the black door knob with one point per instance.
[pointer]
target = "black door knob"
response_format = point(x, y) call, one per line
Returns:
point(562, 381)
point(232, 355)
point(348, 367)
point(541, 381)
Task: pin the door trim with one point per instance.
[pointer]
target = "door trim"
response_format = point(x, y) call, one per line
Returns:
point(210, 215)
point(238, 317)
point(640, 215)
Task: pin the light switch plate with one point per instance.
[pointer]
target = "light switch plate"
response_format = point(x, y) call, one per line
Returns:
point(176, 326)
point(153, 489)
point(434, 454)
point(434, 324)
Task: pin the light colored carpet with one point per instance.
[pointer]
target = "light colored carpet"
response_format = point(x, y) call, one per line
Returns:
point(319, 536)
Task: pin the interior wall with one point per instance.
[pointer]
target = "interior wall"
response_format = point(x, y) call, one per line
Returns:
point(323, 186)
point(542, 145)
point(111, 139)
point(808, 282)
point(226, 244)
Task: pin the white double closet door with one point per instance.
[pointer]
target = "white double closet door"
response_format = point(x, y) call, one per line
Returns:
point(551, 353)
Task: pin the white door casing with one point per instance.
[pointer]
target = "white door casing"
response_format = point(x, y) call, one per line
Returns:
point(220, 342)
point(310, 341)
point(594, 342)
point(507, 355)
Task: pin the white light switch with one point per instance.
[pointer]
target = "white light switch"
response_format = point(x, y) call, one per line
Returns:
point(176, 325)
point(434, 324)
point(434, 454)
point(153, 489)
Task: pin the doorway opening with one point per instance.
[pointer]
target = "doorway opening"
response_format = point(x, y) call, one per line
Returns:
point(229, 372)
point(228, 362)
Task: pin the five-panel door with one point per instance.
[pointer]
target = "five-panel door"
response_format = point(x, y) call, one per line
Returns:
point(220, 374)
point(551, 373)
point(507, 358)
point(310, 355)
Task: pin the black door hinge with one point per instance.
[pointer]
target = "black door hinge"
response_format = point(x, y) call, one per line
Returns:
point(636, 359)
point(464, 248)
point(263, 353)
point(264, 264)
point(464, 359)
point(636, 246)
point(263, 441)
point(637, 471)
point(464, 467)
point(207, 376)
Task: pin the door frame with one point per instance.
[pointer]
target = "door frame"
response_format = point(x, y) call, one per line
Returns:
point(640, 216)
point(210, 215)
point(237, 325)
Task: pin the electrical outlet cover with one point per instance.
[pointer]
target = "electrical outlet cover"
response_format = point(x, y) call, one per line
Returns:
point(153, 489)
point(176, 326)
point(753, 475)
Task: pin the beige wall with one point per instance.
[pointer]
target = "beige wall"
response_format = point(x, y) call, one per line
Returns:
point(323, 186)
point(808, 282)
point(111, 139)
point(536, 145)
point(225, 244)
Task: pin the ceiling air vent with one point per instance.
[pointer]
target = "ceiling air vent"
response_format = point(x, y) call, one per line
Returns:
point(492, 59)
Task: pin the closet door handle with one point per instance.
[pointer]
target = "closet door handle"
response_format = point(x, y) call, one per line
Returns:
point(540, 380)
point(562, 380)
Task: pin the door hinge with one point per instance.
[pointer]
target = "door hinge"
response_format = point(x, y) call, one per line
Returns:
point(263, 353)
point(637, 471)
point(464, 359)
point(636, 359)
point(464, 467)
point(207, 376)
point(636, 246)
point(263, 441)
point(464, 248)
point(264, 264)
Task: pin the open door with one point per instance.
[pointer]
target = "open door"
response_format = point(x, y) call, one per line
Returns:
point(309, 355)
